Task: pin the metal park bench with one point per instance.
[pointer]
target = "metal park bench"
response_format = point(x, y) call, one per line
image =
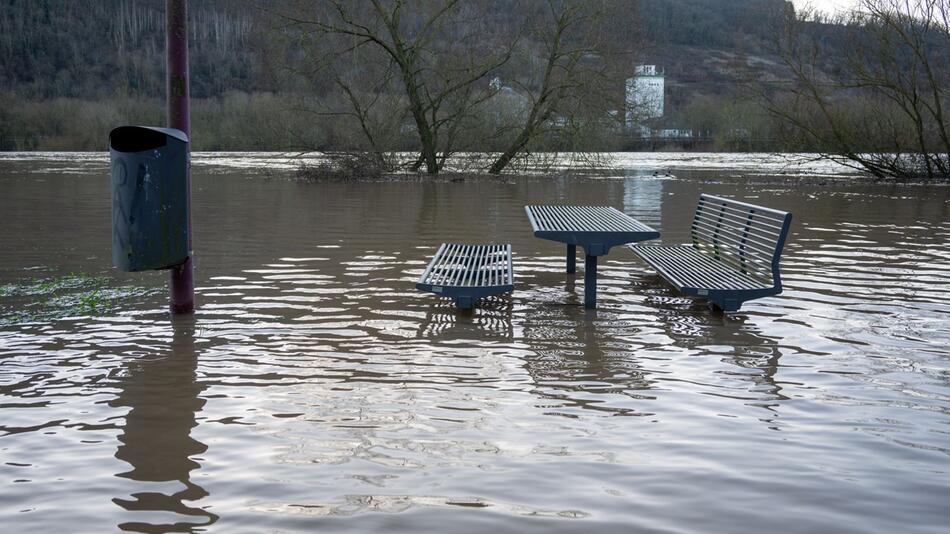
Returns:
point(734, 256)
point(468, 272)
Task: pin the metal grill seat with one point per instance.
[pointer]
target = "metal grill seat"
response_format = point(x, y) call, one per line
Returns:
point(468, 272)
point(734, 255)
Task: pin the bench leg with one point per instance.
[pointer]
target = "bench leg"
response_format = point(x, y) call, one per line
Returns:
point(571, 259)
point(730, 305)
point(464, 303)
point(590, 282)
point(727, 305)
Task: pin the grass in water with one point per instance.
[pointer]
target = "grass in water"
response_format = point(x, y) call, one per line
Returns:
point(75, 294)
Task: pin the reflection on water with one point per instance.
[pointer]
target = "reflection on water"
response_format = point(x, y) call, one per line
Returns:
point(643, 199)
point(162, 395)
point(316, 389)
point(444, 322)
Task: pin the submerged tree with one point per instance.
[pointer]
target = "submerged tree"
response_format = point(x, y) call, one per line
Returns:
point(884, 110)
point(570, 85)
point(436, 52)
point(432, 70)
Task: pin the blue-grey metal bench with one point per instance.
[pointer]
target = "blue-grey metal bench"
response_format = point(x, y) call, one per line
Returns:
point(734, 256)
point(594, 228)
point(468, 272)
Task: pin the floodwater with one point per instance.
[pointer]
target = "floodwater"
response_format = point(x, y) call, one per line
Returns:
point(316, 390)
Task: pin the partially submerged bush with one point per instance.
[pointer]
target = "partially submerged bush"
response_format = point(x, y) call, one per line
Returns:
point(347, 166)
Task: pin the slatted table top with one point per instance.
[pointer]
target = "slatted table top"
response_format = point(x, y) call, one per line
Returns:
point(596, 228)
point(556, 218)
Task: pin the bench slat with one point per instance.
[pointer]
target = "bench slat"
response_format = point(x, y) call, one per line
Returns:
point(732, 252)
point(740, 217)
point(739, 223)
point(691, 268)
point(753, 242)
point(740, 226)
point(743, 264)
point(727, 212)
point(745, 261)
point(739, 205)
point(470, 258)
point(445, 269)
point(712, 229)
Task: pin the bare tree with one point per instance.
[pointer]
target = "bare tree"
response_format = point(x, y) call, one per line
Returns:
point(435, 52)
point(573, 74)
point(885, 112)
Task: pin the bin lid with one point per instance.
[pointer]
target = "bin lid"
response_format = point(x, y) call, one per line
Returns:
point(132, 130)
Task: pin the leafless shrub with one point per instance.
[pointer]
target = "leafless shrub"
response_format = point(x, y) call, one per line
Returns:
point(346, 167)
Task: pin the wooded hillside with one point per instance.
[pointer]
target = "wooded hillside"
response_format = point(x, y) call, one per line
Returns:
point(72, 69)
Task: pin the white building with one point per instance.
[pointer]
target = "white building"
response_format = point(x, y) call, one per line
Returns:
point(644, 95)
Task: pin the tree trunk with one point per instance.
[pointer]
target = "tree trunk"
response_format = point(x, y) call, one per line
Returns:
point(427, 137)
point(511, 152)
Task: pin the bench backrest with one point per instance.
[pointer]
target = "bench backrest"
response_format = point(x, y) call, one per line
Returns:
point(747, 237)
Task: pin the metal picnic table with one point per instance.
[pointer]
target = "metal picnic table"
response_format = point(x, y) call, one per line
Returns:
point(594, 228)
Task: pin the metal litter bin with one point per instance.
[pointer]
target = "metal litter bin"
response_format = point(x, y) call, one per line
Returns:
point(149, 197)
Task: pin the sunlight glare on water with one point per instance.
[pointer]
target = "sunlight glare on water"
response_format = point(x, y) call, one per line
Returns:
point(316, 389)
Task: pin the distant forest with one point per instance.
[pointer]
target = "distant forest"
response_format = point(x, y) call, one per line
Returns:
point(70, 70)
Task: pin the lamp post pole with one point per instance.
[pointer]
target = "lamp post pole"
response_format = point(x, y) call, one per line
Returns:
point(181, 279)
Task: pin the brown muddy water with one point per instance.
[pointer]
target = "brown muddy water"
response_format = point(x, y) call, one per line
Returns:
point(317, 390)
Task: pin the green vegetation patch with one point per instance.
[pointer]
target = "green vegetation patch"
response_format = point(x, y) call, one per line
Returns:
point(75, 294)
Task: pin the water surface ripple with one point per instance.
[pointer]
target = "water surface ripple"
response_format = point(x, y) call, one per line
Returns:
point(317, 389)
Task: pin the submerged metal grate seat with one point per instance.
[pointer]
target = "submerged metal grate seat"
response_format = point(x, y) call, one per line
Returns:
point(468, 272)
point(734, 256)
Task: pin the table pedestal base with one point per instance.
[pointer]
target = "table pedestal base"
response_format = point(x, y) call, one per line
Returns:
point(590, 282)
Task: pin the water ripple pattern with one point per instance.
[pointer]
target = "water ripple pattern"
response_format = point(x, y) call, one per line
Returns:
point(316, 389)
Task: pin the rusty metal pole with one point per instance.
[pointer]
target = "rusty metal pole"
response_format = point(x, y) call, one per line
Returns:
point(181, 279)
